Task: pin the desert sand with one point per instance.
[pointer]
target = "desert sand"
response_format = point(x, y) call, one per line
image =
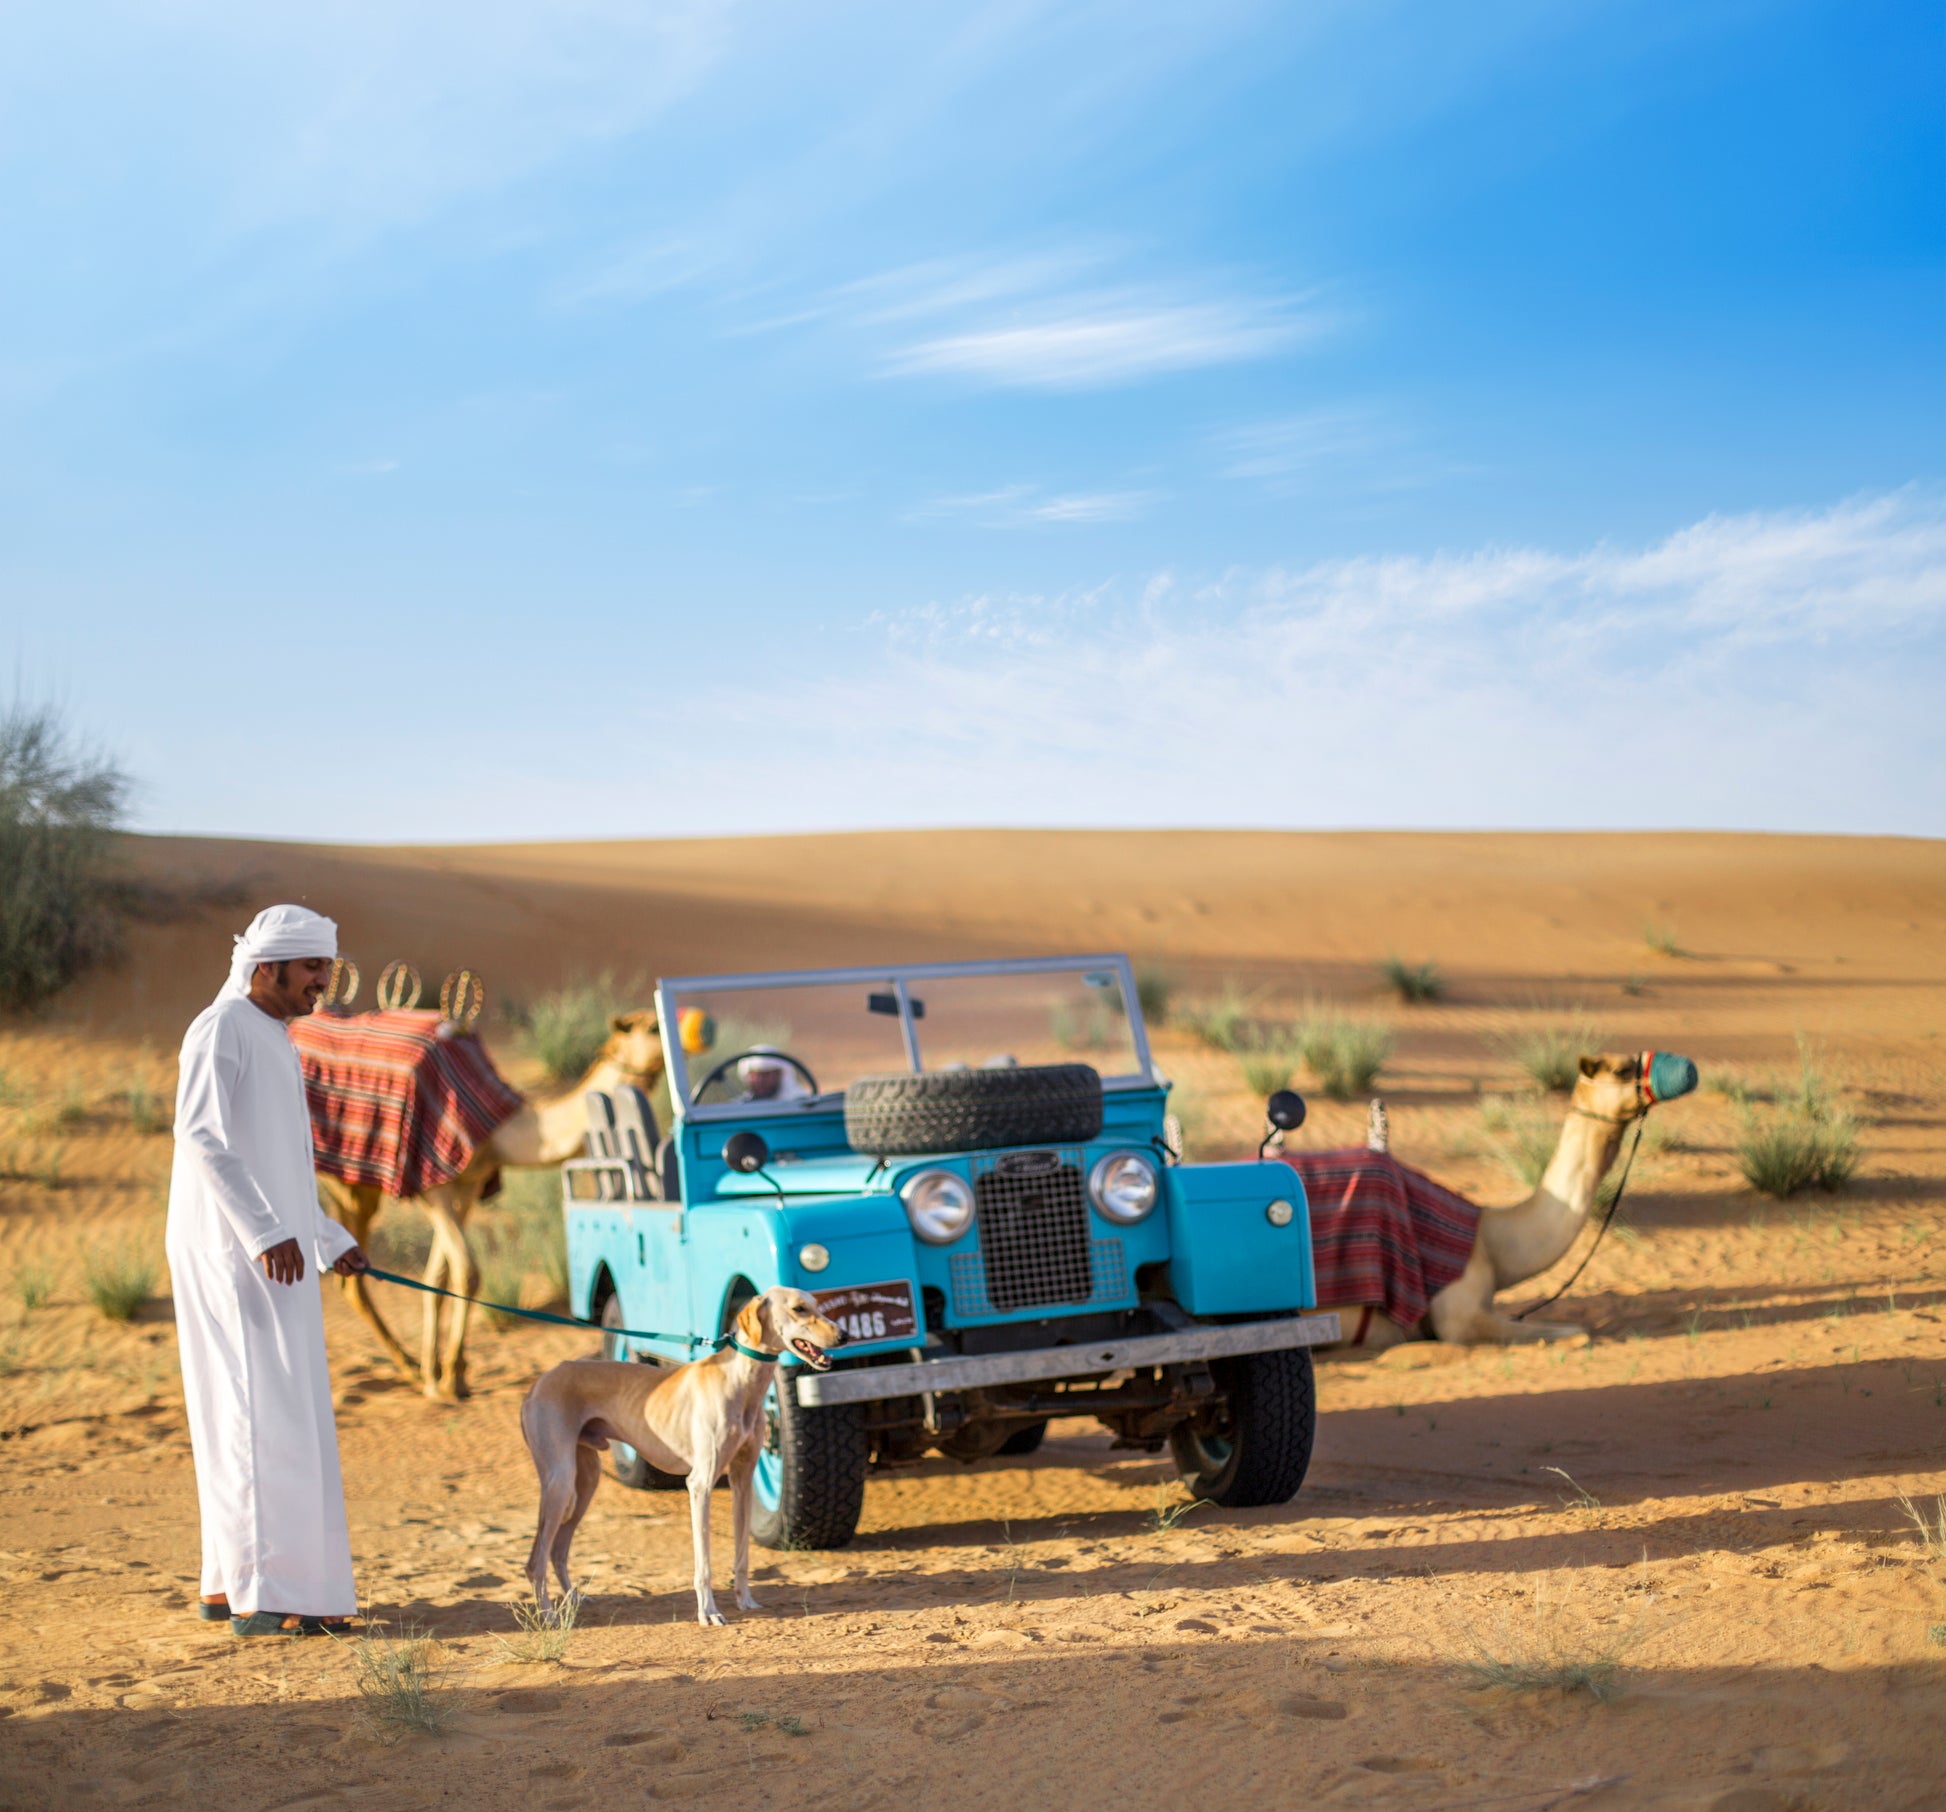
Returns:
point(1699, 1507)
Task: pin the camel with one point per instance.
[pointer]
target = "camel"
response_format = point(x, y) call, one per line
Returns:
point(541, 1133)
point(1514, 1244)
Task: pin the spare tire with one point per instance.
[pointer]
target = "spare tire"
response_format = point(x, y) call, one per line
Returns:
point(973, 1110)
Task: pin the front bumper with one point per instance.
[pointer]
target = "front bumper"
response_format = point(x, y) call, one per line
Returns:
point(871, 1384)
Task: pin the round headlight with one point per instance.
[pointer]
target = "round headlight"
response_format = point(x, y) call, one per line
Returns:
point(939, 1205)
point(813, 1257)
point(1123, 1186)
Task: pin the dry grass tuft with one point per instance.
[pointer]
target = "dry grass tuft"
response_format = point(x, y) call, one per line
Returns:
point(1806, 1140)
point(1549, 1648)
point(34, 1285)
point(401, 1683)
point(1931, 1526)
point(1343, 1052)
point(545, 1635)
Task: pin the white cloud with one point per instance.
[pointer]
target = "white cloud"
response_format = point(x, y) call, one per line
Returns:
point(1773, 670)
point(1022, 505)
point(1089, 342)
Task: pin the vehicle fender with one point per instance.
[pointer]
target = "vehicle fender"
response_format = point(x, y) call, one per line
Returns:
point(1227, 1255)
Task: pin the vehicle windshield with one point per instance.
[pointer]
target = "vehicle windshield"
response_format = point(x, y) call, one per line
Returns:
point(770, 1043)
point(774, 1045)
point(1057, 1016)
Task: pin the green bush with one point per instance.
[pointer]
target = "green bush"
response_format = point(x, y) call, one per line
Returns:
point(1413, 983)
point(1154, 986)
point(58, 809)
point(570, 1025)
point(1551, 1054)
point(119, 1281)
point(1343, 1052)
point(1268, 1068)
point(1224, 1023)
point(1781, 1153)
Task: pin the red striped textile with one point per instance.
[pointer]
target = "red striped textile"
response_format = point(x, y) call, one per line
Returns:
point(1382, 1233)
point(399, 1100)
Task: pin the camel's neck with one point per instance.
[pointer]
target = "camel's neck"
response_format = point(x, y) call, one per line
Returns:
point(1524, 1241)
point(553, 1128)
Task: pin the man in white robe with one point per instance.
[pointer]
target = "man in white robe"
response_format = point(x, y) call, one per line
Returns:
point(245, 1228)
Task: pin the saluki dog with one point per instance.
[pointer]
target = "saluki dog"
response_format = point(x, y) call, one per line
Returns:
point(704, 1419)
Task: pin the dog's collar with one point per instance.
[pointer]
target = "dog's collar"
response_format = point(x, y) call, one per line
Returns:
point(756, 1353)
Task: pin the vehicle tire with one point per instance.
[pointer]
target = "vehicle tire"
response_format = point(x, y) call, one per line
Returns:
point(1027, 1439)
point(809, 1490)
point(973, 1110)
point(1261, 1447)
point(624, 1462)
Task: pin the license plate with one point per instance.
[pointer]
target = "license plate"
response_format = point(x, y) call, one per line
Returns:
point(873, 1311)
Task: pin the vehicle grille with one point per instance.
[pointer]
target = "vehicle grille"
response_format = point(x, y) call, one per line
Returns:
point(1035, 1244)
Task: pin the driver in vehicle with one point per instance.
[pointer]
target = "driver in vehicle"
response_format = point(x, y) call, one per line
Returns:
point(767, 1077)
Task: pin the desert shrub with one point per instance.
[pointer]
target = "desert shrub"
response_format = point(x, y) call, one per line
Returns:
point(1093, 1026)
point(1551, 1053)
point(1660, 937)
point(1413, 983)
point(1345, 1053)
point(148, 1112)
point(1549, 1645)
point(1267, 1067)
point(401, 1683)
point(569, 1025)
point(1224, 1023)
point(33, 1284)
point(1781, 1153)
point(1806, 1140)
point(59, 806)
point(119, 1281)
point(545, 1636)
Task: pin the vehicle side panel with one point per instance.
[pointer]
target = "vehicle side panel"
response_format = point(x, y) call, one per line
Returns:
point(1226, 1256)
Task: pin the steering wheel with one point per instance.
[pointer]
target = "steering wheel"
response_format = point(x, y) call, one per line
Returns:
point(716, 1075)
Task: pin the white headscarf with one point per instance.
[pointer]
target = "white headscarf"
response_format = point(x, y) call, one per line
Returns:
point(278, 934)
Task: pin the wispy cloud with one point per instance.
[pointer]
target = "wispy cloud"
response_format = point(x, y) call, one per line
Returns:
point(1091, 341)
point(1022, 505)
point(1679, 683)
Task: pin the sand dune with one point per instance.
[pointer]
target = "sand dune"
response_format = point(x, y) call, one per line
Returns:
point(1707, 1496)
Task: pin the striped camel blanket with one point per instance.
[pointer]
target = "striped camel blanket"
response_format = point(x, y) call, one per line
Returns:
point(1382, 1233)
point(399, 1100)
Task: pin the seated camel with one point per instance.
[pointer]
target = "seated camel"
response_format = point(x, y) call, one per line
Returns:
point(1402, 1258)
point(541, 1132)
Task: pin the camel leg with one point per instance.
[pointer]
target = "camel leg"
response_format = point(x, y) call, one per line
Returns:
point(355, 1209)
point(451, 1266)
point(1463, 1314)
point(587, 1480)
point(458, 1204)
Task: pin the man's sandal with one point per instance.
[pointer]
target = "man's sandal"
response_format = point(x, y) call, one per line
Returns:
point(213, 1613)
point(274, 1623)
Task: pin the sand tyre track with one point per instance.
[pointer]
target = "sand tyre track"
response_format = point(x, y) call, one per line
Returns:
point(1263, 1448)
point(624, 1462)
point(810, 1486)
point(973, 1110)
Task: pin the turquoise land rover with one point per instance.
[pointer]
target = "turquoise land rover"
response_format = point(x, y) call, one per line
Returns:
point(972, 1167)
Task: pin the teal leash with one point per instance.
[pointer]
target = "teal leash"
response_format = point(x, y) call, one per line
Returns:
point(565, 1321)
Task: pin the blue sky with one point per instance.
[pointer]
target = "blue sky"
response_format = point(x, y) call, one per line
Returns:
point(468, 421)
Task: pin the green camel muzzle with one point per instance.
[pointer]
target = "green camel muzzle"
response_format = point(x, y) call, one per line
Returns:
point(1666, 1075)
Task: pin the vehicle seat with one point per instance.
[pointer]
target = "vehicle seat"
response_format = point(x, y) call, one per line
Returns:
point(669, 1170)
point(635, 1135)
point(603, 1141)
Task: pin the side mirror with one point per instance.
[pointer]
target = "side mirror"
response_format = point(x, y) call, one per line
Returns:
point(1285, 1110)
point(746, 1152)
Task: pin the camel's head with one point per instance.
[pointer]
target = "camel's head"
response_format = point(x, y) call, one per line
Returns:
point(787, 1322)
point(635, 1046)
point(1622, 1086)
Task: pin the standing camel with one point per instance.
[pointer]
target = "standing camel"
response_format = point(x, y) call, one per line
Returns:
point(541, 1132)
point(1513, 1244)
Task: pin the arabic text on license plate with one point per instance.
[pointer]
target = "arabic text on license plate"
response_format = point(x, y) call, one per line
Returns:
point(880, 1311)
